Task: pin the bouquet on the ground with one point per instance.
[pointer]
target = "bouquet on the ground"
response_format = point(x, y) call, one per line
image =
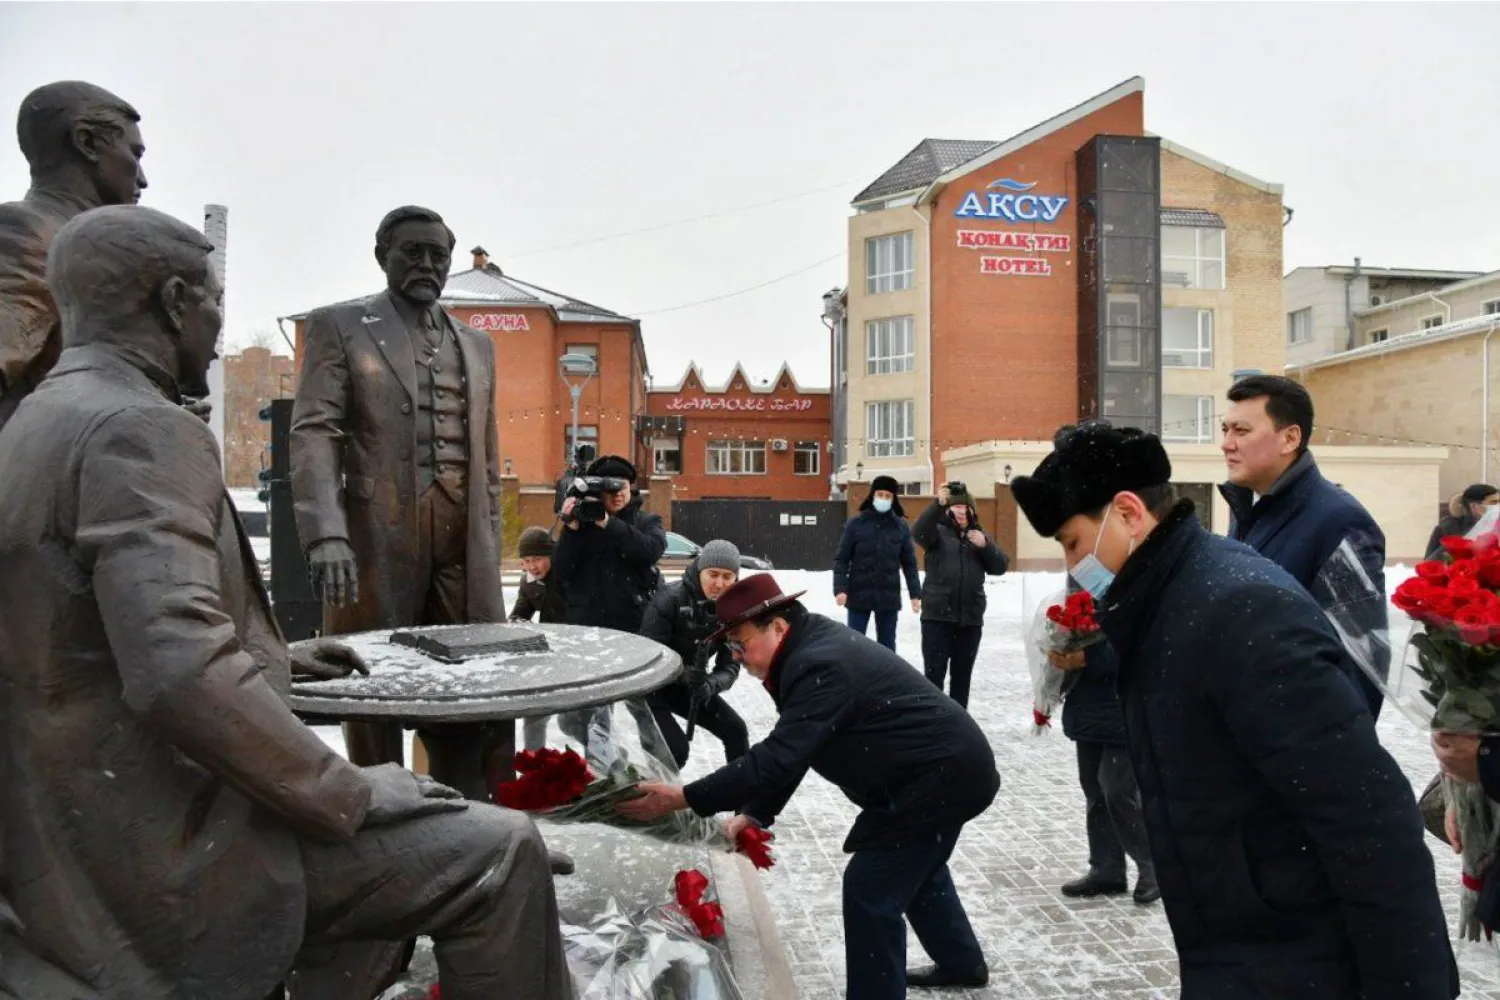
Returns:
point(1063, 625)
point(1448, 680)
point(659, 953)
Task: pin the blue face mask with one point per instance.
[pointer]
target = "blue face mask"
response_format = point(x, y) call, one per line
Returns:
point(882, 505)
point(1091, 574)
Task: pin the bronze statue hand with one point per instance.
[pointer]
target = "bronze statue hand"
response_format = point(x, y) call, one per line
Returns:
point(200, 408)
point(397, 795)
point(324, 660)
point(331, 565)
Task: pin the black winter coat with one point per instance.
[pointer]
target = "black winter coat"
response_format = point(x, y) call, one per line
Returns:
point(1091, 710)
point(680, 618)
point(542, 597)
point(1452, 525)
point(953, 584)
point(913, 761)
point(1287, 842)
point(1299, 525)
point(608, 574)
point(874, 553)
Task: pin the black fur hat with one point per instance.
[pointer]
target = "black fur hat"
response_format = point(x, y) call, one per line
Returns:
point(613, 465)
point(1090, 463)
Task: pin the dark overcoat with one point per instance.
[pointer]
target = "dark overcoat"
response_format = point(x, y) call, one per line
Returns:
point(144, 706)
point(354, 470)
point(953, 584)
point(1287, 841)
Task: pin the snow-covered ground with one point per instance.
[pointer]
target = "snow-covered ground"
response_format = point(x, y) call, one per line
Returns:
point(1011, 860)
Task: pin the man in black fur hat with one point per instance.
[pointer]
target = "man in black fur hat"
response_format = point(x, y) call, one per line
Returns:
point(1287, 842)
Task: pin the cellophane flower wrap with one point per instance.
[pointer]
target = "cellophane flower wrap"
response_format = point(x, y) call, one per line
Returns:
point(666, 952)
point(1448, 680)
point(1064, 624)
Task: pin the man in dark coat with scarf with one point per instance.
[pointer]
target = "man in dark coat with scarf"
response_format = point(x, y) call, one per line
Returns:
point(874, 554)
point(1287, 842)
point(959, 556)
point(681, 617)
point(1283, 508)
point(914, 762)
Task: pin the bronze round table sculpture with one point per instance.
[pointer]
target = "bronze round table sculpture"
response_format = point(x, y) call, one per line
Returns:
point(456, 705)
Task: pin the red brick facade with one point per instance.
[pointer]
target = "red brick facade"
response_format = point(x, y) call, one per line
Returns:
point(740, 440)
point(252, 379)
point(1004, 337)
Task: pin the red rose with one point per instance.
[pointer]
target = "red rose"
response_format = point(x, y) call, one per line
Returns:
point(1463, 587)
point(1458, 547)
point(1463, 568)
point(1433, 571)
point(1475, 626)
point(755, 844)
point(1056, 613)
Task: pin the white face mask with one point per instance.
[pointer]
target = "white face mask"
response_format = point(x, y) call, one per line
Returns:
point(882, 505)
point(1091, 574)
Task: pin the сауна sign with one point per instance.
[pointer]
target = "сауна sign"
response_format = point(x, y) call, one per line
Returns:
point(1012, 201)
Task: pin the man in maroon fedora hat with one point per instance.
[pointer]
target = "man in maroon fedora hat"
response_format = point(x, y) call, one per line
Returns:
point(910, 757)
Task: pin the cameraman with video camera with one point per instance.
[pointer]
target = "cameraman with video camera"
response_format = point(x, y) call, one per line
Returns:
point(606, 559)
point(681, 616)
point(959, 557)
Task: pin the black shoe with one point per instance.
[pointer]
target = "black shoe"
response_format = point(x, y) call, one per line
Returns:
point(933, 977)
point(1089, 887)
point(1146, 892)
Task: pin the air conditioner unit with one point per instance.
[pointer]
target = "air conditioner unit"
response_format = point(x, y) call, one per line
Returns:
point(778, 444)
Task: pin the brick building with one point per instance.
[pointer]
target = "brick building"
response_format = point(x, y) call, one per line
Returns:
point(252, 378)
point(740, 439)
point(980, 307)
point(531, 328)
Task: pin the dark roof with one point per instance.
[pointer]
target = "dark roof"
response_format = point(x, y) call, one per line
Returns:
point(924, 164)
point(1194, 217)
point(482, 286)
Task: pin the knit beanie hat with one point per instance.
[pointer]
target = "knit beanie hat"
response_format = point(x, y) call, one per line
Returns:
point(535, 542)
point(719, 554)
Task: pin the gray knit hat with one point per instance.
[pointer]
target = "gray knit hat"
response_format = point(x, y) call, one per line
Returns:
point(535, 542)
point(719, 554)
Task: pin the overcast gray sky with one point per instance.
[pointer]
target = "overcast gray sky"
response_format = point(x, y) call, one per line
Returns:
point(530, 126)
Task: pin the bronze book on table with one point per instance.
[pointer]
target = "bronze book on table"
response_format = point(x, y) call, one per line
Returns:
point(457, 643)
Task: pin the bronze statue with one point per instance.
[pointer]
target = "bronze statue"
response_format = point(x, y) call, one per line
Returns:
point(171, 830)
point(84, 148)
point(395, 466)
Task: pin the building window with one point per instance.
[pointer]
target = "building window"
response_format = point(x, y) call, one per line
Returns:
point(1187, 338)
point(736, 458)
point(592, 350)
point(1192, 257)
point(1432, 322)
point(888, 428)
point(805, 461)
point(1122, 347)
point(1379, 336)
point(1299, 326)
point(1490, 308)
point(666, 456)
point(588, 434)
point(888, 345)
point(888, 263)
point(1188, 419)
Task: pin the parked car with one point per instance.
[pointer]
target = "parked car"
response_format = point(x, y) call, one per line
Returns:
point(682, 550)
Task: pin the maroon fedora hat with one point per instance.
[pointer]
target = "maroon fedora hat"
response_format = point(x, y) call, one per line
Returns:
point(749, 599)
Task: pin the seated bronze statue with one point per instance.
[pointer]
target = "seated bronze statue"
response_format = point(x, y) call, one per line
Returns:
point(171, 830)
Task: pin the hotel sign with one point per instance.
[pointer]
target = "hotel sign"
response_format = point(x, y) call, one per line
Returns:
point(757, 404)
point(1012, 201)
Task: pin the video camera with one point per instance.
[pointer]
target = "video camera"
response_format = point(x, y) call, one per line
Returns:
point(590, 491)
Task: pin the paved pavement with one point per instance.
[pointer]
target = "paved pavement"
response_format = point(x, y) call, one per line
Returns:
point(1012, 859)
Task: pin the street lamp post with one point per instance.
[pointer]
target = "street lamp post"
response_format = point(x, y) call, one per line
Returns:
point(570, 366)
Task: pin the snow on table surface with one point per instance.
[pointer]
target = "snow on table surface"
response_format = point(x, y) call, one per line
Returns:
point(1011, 860)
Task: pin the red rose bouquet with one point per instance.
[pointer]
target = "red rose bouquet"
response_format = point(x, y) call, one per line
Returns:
point(1063, 625)
point(1453, 664)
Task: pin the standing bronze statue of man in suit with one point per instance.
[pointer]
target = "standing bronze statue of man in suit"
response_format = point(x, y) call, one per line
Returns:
point(395, 469)
point(84, 148)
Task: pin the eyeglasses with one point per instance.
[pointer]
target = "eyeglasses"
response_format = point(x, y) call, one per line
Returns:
point(735, 647)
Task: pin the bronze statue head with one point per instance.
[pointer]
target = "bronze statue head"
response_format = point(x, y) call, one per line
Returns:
point(415, 249)
point(83, 137)
point(139, 279)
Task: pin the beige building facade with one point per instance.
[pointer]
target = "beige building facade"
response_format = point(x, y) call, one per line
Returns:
point(1324, 304)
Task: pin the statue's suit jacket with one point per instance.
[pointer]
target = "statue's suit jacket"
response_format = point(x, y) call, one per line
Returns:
point(354, 469)
point(155, 787)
